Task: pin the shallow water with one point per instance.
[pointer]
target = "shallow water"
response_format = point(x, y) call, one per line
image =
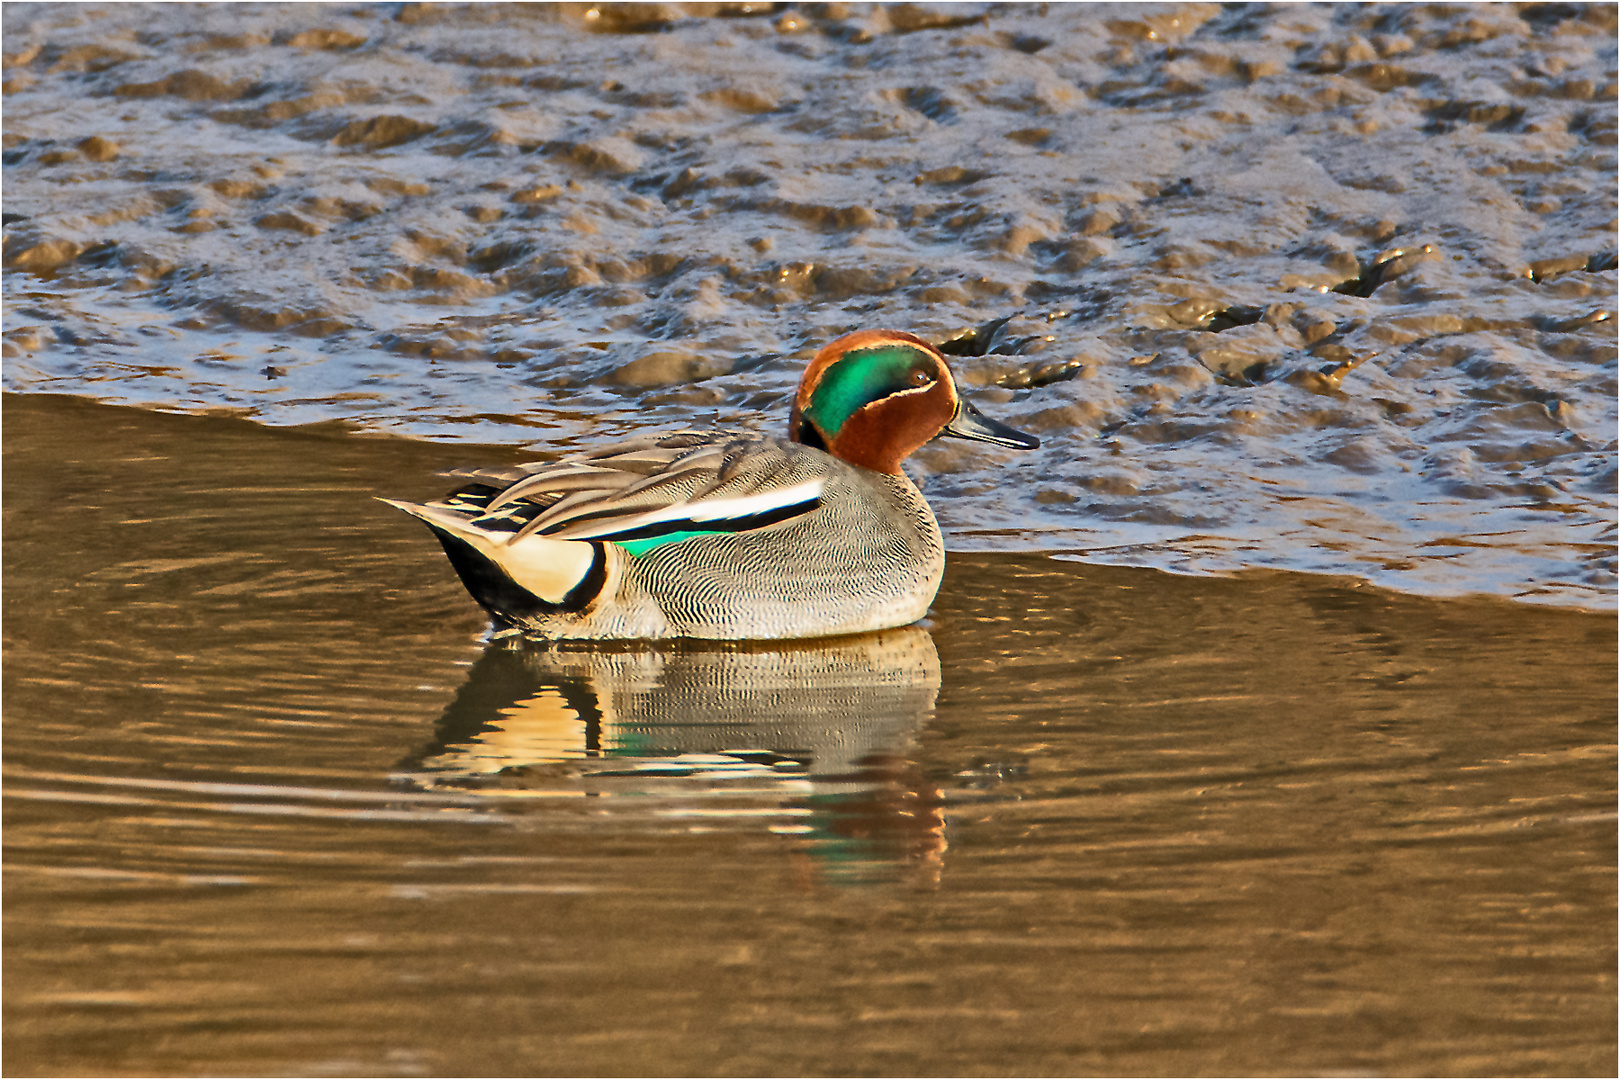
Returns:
point(273, 806)
point(1315, 287)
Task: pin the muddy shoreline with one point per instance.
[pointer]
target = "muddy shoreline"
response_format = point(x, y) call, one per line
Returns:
point(1319, 287)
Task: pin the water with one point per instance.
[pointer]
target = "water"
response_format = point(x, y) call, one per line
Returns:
point(273, 805)
point(1315, 288)
point(1323, 287)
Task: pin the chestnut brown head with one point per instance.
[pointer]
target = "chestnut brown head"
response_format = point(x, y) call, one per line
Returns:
point(873, 397)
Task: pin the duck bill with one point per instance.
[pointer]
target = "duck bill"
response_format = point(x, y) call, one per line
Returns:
point(970, 423)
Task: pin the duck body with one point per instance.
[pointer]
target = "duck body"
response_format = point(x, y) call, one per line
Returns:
point(727, 535)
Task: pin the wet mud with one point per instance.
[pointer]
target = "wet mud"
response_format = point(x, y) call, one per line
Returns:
point(1315, 287)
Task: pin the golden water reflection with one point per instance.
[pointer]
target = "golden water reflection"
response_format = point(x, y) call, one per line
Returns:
point(813, 738)
point(1271, 823)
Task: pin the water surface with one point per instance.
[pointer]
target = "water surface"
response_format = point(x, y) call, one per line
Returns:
point(274, 806)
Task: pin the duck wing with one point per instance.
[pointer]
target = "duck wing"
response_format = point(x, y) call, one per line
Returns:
point(682, 483)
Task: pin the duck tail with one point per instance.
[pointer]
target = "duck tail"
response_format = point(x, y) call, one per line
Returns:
point(516, 579)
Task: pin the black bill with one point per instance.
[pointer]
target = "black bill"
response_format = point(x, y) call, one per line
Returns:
point(970, 423)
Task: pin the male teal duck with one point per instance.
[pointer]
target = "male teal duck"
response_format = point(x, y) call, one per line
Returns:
point(724, 534)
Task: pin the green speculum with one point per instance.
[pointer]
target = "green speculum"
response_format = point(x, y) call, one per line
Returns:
point(642, 546)
point(858, 379)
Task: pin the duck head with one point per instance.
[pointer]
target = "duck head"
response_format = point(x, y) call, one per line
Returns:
point(873, 397)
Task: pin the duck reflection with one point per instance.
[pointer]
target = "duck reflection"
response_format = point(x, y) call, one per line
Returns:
point(811, 737)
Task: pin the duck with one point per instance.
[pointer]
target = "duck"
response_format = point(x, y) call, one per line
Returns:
point(727, 535)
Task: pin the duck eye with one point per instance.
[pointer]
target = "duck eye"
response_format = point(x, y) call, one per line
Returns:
point(919, 377)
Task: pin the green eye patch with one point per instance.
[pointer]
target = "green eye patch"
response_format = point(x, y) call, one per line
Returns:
point(861, 377)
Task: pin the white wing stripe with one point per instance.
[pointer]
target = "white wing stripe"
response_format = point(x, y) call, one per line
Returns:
point(764, 501)
point(706, 510)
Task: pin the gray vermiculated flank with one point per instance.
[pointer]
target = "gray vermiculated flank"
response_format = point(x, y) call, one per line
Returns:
point(869, 556)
